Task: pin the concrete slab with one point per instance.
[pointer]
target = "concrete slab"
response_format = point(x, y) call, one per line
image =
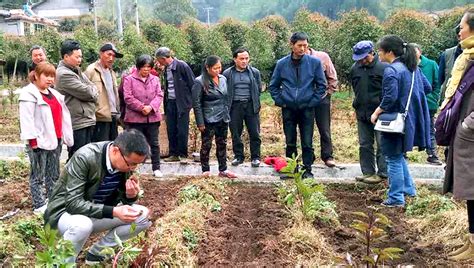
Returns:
point(264, 173)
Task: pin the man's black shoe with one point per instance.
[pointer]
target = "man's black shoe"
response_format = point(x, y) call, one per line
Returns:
point(434, 160)
point(255, 162)
point(92, 259)
point(308, 175)
point(237, 162)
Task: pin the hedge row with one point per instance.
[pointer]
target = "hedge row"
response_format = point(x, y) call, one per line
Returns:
point(266, 39)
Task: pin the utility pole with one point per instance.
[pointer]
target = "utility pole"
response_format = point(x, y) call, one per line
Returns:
point(94, 6)
point(119, 18)
point(137, 22)
point(208, 20)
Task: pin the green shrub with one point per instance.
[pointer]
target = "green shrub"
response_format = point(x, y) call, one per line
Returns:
point(316, 26)
point(353, 27)
point(234, 32)
point(428, 203)
point(261, 50)
point(413, 27)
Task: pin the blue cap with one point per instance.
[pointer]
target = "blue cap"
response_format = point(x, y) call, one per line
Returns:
point(362, 49)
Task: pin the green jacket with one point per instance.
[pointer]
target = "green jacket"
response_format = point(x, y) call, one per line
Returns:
point(78, 183)
point(430, 69)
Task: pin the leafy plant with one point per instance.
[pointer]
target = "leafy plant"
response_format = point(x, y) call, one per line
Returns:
point(191, 238)
point(369, 232)
point(427, 203)
point(127, 251)
point(307, 195)
point(56, 250)
point(193, 192)
point(28, 228)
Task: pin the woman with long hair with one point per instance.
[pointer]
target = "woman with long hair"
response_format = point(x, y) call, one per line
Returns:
point(143, 96)
point(397, 81)
point(459, 165)
point(45, 123)
point(211, 109)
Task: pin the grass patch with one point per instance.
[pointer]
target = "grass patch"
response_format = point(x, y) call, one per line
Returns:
point(306, 245)
point(428, 204)
point(180, 230)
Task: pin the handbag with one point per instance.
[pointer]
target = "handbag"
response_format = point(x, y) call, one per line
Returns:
point(394, 122)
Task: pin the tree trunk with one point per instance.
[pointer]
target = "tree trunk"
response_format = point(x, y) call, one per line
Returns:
point(14, 68)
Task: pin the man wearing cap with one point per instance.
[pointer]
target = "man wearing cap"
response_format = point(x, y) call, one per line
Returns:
point(179, 80)
point(322, 112)
point(79, 92)
point(104, 78)
point(366, 79)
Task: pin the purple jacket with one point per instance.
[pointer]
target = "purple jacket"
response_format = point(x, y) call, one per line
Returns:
point(137, 94)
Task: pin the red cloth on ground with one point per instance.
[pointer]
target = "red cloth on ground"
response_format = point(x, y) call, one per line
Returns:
point(277, 162)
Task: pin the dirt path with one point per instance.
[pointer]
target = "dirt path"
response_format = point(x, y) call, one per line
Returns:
point(241, 235)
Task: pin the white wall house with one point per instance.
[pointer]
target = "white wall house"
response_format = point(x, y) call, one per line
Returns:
point(57, 9)
point(16, 22)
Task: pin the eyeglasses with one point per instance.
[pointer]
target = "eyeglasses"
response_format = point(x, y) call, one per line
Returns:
point(129, 165)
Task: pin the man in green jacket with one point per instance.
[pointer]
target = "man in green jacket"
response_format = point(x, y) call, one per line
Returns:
point(95, 193)
point(430, 69)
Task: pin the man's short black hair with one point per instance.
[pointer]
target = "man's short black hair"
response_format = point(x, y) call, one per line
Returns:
point(143, 60)
point(132, 141)
point(68, 47)
point(298, 36)
point(239, 50)
point(35, 47)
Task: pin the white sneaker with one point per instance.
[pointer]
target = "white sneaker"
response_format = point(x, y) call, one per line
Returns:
point(157, 173)
point(40, 210)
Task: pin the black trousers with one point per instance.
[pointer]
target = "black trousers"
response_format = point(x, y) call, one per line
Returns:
point(177, 127)
point(322, 115)
point(151, 132)
point(302, 119)
point(470, 215)
point(219, 130)
point(242, 111)
point(82, 137)
point(105, 131)
point(367, 154)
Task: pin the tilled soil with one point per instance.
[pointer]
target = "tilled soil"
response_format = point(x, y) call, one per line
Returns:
point(243, 234)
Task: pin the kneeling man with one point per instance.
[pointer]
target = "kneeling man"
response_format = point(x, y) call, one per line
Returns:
point(95, 193)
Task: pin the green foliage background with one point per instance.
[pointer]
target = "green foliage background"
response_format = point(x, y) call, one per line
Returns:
point(266, 39)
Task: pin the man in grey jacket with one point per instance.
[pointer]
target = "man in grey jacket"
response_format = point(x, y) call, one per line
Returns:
point(80, 94)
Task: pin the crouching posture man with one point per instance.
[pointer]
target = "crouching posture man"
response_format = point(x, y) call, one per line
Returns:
point(95, 193)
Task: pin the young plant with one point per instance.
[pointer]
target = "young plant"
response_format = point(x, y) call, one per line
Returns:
point(125, 253)
point(56, 249)
point(307, 194)
point(371, 231)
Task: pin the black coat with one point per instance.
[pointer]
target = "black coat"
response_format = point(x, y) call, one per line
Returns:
point(211, 106)
point(183, 78)
point(366, 82)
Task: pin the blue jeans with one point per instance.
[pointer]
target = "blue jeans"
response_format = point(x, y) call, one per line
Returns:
point(400, 180)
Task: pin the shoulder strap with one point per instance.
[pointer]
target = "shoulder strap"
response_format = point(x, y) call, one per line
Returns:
point(411, 91)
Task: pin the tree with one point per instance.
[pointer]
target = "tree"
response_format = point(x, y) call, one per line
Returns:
point(234, 32)
point(353, 27)
point(132, 46)
point(195, 32)
point(89, 41)
point(316, 26)
point(413, 27)
point(174, 11)
point(51, 41)
point(261, 51)
point(280, 31)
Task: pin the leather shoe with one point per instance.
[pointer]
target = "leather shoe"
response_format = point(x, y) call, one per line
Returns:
point(466, 252)
point(330, 162)
point(237, 162)
point(255, 163)
point(363, 177)
point(374, 179)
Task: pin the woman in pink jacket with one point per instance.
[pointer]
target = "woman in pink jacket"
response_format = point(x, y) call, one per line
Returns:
point(143, 96)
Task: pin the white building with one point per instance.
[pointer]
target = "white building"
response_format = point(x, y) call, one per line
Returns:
point(57, 9)
point(16, 22)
